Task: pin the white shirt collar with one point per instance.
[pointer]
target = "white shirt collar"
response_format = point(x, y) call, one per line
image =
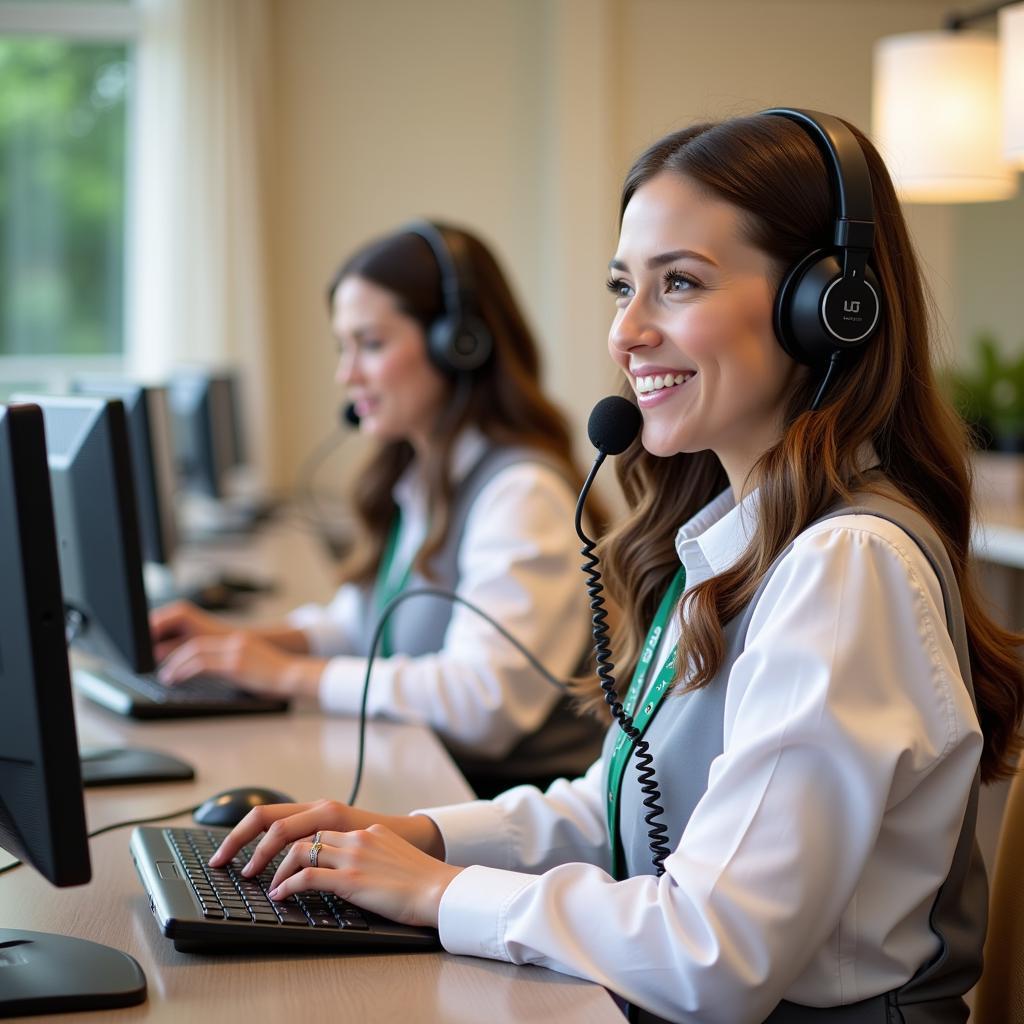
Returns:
point(713, 540)
point(716, 536)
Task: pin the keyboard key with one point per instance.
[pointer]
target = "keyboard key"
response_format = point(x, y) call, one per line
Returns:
point(289, 913)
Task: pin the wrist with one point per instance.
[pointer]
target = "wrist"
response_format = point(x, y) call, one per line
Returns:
point(443, 876)
point(424, 834)
point(301, 677)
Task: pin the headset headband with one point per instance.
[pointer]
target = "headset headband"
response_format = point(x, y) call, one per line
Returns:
point(851, 182)
point(452, 260)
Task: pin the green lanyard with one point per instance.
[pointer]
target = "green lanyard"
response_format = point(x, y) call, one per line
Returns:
point(386, 589)
point(623, 748)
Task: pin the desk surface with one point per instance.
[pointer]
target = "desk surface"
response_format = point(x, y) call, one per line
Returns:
point(307, 756)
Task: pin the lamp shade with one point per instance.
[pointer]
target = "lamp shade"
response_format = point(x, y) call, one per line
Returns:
point(936, 117)
point(1011, 62)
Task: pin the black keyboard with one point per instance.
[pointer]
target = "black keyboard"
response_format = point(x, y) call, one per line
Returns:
point(142, 695)
point(225, 893)
point(198, 689)
point(206, 909)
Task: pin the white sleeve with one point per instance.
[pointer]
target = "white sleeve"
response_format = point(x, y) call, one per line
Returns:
point(330, 629)
point(519, 562)
point(845, 710)
point(524, 829)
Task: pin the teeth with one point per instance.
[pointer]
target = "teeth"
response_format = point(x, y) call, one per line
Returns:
point(658, 382)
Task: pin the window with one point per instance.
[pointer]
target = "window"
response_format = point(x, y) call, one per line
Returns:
point(65, 98)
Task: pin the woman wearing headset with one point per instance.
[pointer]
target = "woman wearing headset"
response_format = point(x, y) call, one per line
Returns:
point(839, 688)
point(470, 488)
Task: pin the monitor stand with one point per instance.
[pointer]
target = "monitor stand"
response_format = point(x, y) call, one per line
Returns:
point(123, 766)
point(42, 973)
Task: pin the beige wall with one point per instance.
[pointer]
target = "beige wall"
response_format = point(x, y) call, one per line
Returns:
point(519, 117)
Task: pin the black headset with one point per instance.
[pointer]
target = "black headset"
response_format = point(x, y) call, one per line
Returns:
point(830, 302)
point(458, 341)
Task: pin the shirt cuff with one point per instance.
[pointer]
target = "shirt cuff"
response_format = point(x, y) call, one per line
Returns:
point(341, 685)
point(323, 636)
point(474, 911)
point(474, 833)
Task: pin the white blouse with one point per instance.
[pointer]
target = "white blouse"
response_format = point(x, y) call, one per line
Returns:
point(518, 561)
point(807, 870)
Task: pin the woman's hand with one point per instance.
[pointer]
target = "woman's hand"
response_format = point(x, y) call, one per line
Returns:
point(373, 868)
point(254, 664)
point(390, 864)
point(173, 624)
point(285, 823)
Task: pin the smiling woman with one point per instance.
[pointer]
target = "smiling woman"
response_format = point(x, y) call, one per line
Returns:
point(701, 312)
point(813, 674)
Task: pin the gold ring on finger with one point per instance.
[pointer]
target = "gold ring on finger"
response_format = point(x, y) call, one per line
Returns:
point(314, 853)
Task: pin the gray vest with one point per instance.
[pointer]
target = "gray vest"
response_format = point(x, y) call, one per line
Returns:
point(567, 743)
point(691, 726)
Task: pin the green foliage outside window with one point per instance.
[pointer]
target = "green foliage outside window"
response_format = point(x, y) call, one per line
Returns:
point(62, 196)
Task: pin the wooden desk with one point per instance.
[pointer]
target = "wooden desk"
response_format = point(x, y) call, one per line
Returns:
point(308, 756)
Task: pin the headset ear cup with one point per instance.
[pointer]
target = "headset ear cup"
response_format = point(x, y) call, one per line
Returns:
point(813, 290)
point(459, 344)
point(797, 325)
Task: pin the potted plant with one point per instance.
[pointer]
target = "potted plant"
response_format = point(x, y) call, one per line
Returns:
point(990, 396)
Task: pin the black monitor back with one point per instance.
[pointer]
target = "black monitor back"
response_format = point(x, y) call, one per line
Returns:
point(42, 819)
point(147, 412)
point(207, 429)
point(97, 527)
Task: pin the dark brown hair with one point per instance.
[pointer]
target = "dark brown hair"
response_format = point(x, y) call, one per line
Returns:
point(503, 399)
point(771, 170)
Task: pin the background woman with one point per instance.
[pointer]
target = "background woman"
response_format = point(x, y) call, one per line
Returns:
point(836, 686)
point(470, 487)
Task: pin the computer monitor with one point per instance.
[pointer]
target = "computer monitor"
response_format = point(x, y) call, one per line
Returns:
point(207, 429)
point(147, 410)
point(42, 816)
point(97, 528)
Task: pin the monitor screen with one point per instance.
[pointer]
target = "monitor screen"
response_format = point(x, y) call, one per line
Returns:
point(42, 819)
point(97, 528)
point(147, 411)
point(207, 429)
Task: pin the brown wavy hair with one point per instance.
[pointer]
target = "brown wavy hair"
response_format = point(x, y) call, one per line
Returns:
point(772, 171)
point(503, 399)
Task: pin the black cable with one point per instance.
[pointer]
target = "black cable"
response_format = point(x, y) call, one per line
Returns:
point(833, 363)
point(145, 821)
point(657, 831)
point(117, 825)
point(385, 614)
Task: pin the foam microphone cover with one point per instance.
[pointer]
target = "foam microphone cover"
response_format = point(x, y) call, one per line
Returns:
point(349, 416)
point(613, 424)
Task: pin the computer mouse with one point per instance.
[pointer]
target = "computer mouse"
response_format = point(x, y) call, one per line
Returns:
point(231, 806)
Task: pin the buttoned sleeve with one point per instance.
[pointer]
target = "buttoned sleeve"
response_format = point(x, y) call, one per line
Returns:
point(518, 562)
point(808, 868)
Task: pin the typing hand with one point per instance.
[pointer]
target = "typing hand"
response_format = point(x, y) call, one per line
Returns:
point(374, 868)
point(254, 664)
point(174, 624)
point(375, 860)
